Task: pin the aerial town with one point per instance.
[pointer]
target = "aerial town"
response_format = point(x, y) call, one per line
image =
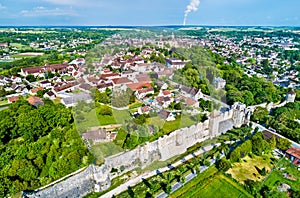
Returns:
point(120, 113)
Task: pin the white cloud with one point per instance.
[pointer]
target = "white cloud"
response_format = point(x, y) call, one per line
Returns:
point(76, 3)
point(2, 7)
point(42, 11)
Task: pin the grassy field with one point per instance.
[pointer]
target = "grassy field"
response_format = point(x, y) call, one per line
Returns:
point(277, 175)
point(93, 119)
point(20, 46)
point(211, 184)
point(220, 186)
point(135, 105)
point(105, 149)
point(182, 122)
point(245, 169)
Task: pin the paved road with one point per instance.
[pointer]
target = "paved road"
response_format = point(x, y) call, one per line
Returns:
point(147, 175)
point(262, 128)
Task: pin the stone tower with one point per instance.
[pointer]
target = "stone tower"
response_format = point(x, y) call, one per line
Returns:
point(291, 96)
point(241, 114)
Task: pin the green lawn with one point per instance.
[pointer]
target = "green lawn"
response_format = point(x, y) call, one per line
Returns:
point(276, 177)
point(211, 184)
point(170, 126)
point(20, 46)
point(245, 169)
point(220, 186)
point(94, 119)
point(135, 105)
point(105, 149)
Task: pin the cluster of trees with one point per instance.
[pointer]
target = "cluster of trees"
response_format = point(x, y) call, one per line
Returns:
point(258, 146)
point(122, 98)
point(283, 119)
point(38, 146)
point(101, 97)
point(205, 66)
point(133, 134)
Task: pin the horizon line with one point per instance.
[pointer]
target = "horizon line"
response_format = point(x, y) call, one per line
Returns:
point(133, 26)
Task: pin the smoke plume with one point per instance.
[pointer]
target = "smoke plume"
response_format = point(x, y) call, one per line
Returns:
point(192, 7)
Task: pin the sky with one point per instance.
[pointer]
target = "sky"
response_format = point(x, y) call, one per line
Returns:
point(148, 12)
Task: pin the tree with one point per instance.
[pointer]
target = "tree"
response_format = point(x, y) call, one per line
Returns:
point(140, 119)
point(283, 144)
point(30, 78)
point(260, 115)
point(105, 110)
point(272, 142)
point(224, 164)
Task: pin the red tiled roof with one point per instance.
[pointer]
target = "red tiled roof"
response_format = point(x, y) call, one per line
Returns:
point(123, 80)
point(35, 90)
point(137, 86)
point(166, 92)
point(51, 68)
point(33, 100)
point(145, 109)
point(13, 99)
point(63, 87)
point(294, 152)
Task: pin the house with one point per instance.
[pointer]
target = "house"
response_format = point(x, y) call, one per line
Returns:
point(166, 115)
point(143, 78)
point(138, 86)
point(144, 110)
point(73, 99)
point(16, 79)
point(294, 155)
point(13, 99)
point(187, 101)
point(175, 63)
point(165, 93)
point(191, 92)
point(50, 95)
point(85, 87)
point(45, 84)
point(96, 136)
point(35, 101)
point(64, 88)
point(163, 101)
point(40, 70)
point(121, 81)
point(103, 86)
point(291, 96)
point(35, 90)
point(140, 94)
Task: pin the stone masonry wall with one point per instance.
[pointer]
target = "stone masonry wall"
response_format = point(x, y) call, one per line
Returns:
point(97, 179)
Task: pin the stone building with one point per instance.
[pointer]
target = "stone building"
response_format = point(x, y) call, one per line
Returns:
point(291, 96)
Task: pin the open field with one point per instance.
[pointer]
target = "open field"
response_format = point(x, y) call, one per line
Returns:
point(220, 186)
point(27, 54)
point(246, 169)
point(20, 46)
point(211, 184)
point(167, 127)
point(277, 175)
point(94, 119)
point(105, 149)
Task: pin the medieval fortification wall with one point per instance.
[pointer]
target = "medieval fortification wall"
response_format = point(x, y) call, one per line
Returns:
point(97, 178)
